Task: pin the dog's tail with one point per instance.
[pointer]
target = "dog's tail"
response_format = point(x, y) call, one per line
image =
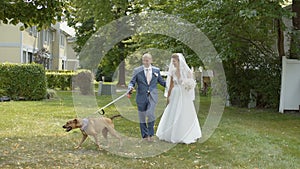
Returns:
point(115, 116)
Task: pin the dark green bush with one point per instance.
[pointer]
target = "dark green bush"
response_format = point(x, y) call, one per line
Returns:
point(2, 92)
point(60, 79)
point(107, 74)
point(258, 73)
point(66, 80)
point(23, 81)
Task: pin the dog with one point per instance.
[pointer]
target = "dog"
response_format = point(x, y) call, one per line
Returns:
point(92, 127)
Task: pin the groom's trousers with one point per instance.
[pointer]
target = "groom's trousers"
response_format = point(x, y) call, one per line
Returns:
point(147, 117)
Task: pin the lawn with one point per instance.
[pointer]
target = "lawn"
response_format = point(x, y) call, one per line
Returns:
point(32, 136)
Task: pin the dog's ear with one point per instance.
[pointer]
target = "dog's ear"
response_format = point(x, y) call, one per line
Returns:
point(75, 121)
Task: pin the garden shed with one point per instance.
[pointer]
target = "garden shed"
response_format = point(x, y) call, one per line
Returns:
point(290, 85)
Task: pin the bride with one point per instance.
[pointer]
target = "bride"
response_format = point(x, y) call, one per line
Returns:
point(179, 122)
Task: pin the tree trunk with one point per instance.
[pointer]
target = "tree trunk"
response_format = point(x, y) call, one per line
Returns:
point(280, 42)
point(122, 52)
point(121, 81)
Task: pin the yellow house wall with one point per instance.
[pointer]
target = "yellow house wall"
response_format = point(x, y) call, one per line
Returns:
point(11, 35)
point(13, 42)
point(62, 52)
point(10, 40)
point(29, 40)
point(70, 51)
point(59, 64)
point(10, 54)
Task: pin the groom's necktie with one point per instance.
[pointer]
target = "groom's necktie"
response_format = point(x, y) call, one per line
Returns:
point(148, 75)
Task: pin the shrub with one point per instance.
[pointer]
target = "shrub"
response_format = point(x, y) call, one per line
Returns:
point(26, 81)
point(107, 74)
point(2, 92)
point(258, 73)
point(60, 79)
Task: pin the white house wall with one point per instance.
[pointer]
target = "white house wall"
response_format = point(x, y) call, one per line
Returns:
point(290, 85)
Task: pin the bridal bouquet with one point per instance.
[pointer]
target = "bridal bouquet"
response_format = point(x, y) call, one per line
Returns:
point(189, 84)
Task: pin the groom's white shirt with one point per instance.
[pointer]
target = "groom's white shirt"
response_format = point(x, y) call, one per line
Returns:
point(149, 69)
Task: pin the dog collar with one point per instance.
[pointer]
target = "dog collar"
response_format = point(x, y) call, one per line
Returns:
point(85, 123)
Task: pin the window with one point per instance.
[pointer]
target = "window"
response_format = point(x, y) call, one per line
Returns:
point(63, 64)
point(50, 36)
point(53, 36)
point(27, 57)
point(30, 57)
point(46, 36)
point(24, 57)
point(62, 40)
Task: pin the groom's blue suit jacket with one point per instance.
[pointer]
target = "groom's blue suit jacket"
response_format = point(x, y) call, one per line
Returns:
point(143, 88)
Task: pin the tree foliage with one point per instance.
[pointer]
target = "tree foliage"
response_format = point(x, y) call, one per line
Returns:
point(40, 13)
point(87, 17)
point(243, 32)
point(295, 34)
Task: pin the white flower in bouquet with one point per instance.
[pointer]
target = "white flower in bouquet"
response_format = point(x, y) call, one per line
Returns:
point(189, 84)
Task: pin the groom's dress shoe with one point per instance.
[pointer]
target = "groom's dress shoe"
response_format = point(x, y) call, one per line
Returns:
point(145, 139)
point(151, 139)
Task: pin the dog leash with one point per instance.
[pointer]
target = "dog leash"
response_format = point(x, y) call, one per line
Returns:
point(101, 110)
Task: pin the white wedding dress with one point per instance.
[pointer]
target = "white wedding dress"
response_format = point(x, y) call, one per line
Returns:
point(179, 122)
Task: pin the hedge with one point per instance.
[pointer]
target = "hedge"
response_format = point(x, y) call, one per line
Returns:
point(60, 79)
point(23, 81)
point(66, 80)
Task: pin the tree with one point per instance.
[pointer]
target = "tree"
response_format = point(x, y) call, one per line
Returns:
point(42, 57)
point(32, 12)
point(244, 35)
point(295, 36)
point(243, 32)
point(88, 16)
point(296, 18)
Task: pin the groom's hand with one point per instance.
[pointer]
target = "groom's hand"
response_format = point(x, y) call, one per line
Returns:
point(130, 92)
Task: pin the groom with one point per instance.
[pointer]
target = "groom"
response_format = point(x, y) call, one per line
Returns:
point(146, 77)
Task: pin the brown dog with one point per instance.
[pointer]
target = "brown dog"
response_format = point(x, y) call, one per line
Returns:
point(92, 127)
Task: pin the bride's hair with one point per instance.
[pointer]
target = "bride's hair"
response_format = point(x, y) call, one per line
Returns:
point(175, 56)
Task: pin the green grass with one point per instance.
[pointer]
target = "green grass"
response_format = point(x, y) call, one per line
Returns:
point(31, 136)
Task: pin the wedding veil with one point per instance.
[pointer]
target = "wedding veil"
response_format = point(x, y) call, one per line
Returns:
point(185, 74)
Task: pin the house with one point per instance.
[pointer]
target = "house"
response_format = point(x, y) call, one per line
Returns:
point(290, 79)
point(51, 47)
